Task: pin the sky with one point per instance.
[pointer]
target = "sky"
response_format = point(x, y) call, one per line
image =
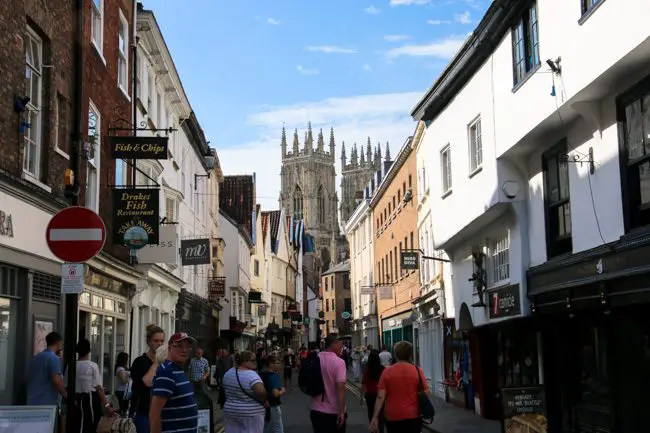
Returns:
point(250, 66)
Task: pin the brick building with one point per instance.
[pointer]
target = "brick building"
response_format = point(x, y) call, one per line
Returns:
point(395, 229)
point(337, 300)
point(237, 199)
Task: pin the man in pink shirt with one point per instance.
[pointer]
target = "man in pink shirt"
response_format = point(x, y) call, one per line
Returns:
point(328, 411)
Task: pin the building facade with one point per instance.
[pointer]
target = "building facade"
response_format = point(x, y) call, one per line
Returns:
point(337, 300)
point(362, 282)
point(258, 268)
point(238, 199)
point(308, 189)
point(395, 226)
point(563, 183)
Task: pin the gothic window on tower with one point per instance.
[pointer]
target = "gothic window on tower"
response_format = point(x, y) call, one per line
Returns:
point(297, 203)
point(321, 205)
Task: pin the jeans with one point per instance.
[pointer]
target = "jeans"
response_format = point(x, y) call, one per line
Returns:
point(274, 425)
point(371, 399)
point(326, 422)
point(412, 425)
point(141, 421)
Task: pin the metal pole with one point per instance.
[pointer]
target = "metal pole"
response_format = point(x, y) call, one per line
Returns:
point(72, 300)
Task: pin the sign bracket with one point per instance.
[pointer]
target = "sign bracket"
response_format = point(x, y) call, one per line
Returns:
point(422, 256)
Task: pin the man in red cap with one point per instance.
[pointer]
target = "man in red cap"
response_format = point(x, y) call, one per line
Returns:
point(172, 390)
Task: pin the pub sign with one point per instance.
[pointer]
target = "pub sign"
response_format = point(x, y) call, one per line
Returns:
point(135, 216)
point(131, 147)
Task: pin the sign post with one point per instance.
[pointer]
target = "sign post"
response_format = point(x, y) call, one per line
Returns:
point(74, 235)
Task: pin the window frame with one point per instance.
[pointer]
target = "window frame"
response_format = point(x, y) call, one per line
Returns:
point(446, 180)
point(34, 108)
point(562, 244)
point(529, 41)
point(495, 255)
point(475, 145)
point(587, 9)
point(321, 204)
point(94, 162)
point(632, 216)
point(123, 57)
point(298, 203)
point(97, 16)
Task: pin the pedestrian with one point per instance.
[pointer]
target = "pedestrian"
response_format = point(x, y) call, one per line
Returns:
point(123, 381)
point(271, 368)
point(356, 364)
point(199, 370)
point(143, 371)
point(398, 388)
point(173, 402)
point(89, 392)
point(45, 374)
point(289, 366)
point(225, 361)
point(385, 356)
point(328, 411)
point(244, 410)
point(369, 382)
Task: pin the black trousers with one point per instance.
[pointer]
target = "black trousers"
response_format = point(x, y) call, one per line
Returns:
point(326, 422)
point(124, 404)
point(371, 399)
point(91, 411)
point(413, 425)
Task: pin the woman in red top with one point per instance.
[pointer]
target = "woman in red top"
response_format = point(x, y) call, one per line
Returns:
point(398, 393)
point(369, 382)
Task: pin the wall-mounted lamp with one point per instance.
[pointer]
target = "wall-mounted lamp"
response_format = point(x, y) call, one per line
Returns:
point(555, 65)
point(209, 163)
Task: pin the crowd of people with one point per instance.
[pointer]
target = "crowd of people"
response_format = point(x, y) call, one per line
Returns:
point(157, 392)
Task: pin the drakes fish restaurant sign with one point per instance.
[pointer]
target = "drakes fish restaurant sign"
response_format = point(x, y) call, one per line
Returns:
point(129, 147)
point(135, 217)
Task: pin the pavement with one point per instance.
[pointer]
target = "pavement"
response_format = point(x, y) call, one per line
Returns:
point(449, 418)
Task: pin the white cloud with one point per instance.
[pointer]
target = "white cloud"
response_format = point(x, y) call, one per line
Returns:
point(396, 38)
point(438, 22)
point(272, 21)
point(464, 18)
point(383, 117)
point(372, 10)
point(331, 49)
point(367, 68)
point(443, 49)
point(408, 2)
point(306, 71)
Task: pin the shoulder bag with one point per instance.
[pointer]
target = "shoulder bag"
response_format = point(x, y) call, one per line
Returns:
point(427, 412)
point(253, 397)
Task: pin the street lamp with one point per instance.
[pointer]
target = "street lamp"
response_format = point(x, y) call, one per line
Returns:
point(209, 163)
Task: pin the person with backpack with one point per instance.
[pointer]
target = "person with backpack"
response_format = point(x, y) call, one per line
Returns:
point(271, 368)
point(323, 377)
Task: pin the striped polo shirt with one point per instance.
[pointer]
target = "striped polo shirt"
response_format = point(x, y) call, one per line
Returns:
point(241, 401)
point(180, 414)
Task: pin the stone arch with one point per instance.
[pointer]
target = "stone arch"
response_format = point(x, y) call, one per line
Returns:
point(465, 322)
point(298, 202)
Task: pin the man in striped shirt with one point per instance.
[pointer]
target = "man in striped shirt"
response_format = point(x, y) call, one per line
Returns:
point(173, 405)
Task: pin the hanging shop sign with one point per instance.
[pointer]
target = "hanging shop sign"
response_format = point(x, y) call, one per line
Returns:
point(410, 259)
point(165, 251)
point(195, 252)
point(524, 409)
point(505, 302)
point(6, 225)
point(130, 147)
point(254, 297)
point(292, 308)
point(346, 315)
point(216, 289)
point(135, 217)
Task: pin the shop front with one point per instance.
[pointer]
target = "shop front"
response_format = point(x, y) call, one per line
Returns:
point(592, 311)
point(369, 332)
point(398, 328)
point(30, 283)
point(194, 316)
point(104, 317)
point(430, 341)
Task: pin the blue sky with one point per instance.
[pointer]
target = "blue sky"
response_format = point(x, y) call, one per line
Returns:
point(358, 66)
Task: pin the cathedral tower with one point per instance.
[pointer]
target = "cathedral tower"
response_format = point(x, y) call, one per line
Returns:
point(308, 182)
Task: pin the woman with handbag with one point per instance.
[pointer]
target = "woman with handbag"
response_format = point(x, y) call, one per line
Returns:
point(90, 396)
point(403, 394)
point(123, 382)
point(245, 405)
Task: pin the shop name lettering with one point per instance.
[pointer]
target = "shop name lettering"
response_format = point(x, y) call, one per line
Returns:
point(524, 403)
point(145, 148)
point(136, 205)
point(6, 225)
point(196, 251)
point(502, 303)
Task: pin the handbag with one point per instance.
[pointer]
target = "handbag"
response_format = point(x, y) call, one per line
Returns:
point(427, 412)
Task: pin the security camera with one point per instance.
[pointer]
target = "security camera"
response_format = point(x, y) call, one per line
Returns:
point(408, 196)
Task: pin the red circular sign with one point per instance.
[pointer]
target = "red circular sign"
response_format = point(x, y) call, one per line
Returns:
point(75, 234)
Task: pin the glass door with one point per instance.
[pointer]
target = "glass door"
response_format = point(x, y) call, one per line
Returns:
point(8, 334)
point(109, 354)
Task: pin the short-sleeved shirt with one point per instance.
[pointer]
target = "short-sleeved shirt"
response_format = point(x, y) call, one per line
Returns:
point(180, 414)
point(199, 367)
point(40, 389)
point(334, 372)
point(88, 377)
point(289, 360)
point(140, 393)
point(272, 381)
point(238, 403)
point(401, 383)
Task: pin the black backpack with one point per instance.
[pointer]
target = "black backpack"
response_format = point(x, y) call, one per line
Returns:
point(310, 376)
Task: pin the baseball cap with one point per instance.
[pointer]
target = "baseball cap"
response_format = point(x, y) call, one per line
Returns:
point(180, 336)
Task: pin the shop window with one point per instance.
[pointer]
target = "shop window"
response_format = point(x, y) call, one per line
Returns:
point(517, 358)
point(8, 336)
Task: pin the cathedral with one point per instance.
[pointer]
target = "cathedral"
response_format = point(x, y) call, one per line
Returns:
point(308, 190)
point(308, 187)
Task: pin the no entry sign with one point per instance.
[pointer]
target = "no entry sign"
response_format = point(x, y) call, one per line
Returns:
point(75, 234)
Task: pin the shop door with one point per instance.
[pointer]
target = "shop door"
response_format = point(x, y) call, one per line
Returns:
point(408, 333)
point(397, 335)
point(388, 342)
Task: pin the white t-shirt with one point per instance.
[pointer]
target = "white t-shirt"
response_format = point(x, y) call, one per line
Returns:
point(239, 404)
point(119, 385)
point(88, 376)
point(385, 357)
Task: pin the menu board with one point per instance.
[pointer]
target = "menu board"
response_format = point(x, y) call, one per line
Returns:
point(204, 421)
point(524, 410)
point(27, 419)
